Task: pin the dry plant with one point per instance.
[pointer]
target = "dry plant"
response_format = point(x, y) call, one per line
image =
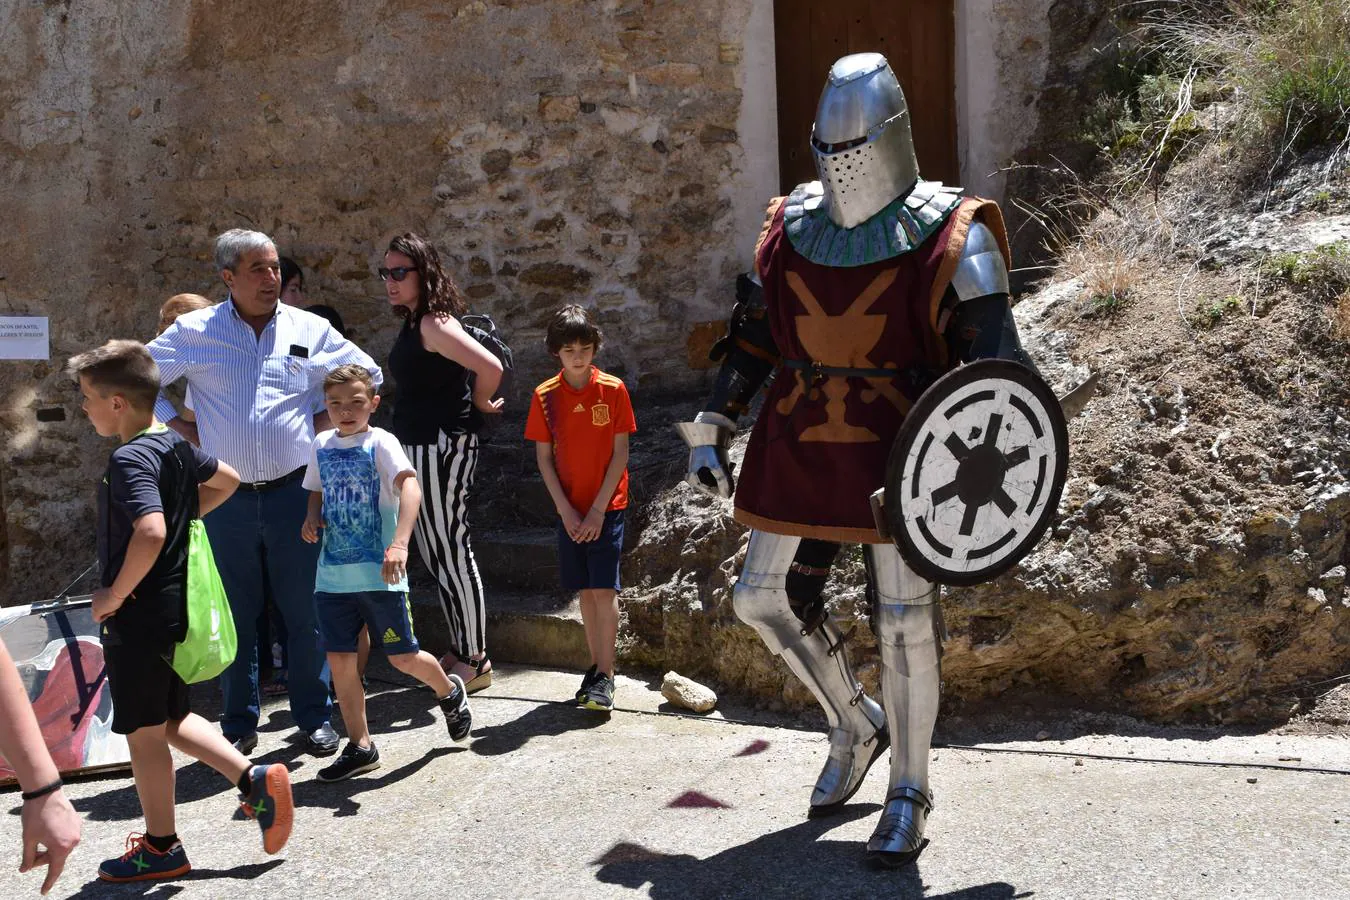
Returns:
point(1109, 267)
point(1110, 242)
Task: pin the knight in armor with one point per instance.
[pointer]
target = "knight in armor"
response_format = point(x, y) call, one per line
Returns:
point(868, 285)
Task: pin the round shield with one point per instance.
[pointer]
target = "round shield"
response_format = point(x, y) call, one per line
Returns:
point(976, 471)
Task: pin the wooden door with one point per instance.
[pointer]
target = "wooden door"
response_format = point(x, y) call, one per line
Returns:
point(918, 37)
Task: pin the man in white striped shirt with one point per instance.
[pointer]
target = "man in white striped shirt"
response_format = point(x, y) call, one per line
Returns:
point(256, 369)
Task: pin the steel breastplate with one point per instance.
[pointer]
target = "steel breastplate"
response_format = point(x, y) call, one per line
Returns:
point(901, 226)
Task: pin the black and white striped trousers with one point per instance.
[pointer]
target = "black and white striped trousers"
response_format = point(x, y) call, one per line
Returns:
point(445, 471)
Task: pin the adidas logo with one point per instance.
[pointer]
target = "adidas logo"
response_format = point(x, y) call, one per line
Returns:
point(579, 408)
point(390, 637)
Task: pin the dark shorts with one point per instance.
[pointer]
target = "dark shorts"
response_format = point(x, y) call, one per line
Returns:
point(145, 689)
point(594, 564)
point(387, 613)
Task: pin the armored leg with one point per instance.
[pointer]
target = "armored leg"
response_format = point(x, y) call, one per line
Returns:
point(814, 651)
point(907, 621)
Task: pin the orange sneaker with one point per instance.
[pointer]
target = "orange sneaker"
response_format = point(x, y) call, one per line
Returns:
point(269, 802)
point(142, 862)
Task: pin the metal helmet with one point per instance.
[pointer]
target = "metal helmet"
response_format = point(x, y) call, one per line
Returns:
point(861, 139)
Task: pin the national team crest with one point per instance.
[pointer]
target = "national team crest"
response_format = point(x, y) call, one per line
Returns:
point(600, 414)
point(976, 472)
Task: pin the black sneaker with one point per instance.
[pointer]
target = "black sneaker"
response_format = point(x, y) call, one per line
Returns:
point(353, 761)
point(458, 717)
point(600, 695)
point(585, 685)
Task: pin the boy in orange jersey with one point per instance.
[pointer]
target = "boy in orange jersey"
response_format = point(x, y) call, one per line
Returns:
point(580, 420)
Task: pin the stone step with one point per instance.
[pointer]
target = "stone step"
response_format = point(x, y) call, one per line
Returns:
point(536, 623)
point(507, 501)
point(517, 558)
point(542, 629)
point(508, 491)
point(538, 628)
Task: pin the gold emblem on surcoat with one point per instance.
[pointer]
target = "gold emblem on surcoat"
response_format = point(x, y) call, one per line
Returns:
point(845, 341)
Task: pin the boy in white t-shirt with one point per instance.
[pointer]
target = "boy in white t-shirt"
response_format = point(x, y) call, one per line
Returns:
point(365, 496)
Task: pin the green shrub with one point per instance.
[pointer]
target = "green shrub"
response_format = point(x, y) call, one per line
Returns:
point(1323, 272)
point(1284, 65)
point(1297, 71)
point(1139, 97)
point(1207, 315)
point(1105, 305)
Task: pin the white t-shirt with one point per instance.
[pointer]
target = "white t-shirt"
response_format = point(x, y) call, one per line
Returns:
point(360, 507)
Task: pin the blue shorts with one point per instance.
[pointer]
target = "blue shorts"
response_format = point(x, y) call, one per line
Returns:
point(388, 613)
point(594, 564)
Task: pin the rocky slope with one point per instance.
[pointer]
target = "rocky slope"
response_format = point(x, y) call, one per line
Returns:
point(1197, 571)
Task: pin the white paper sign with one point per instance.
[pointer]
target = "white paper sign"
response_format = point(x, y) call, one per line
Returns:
point(23, 337)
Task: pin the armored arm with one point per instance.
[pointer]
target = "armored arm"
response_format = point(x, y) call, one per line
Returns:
point(748, 356)
point(747, 352)
point(980, 322)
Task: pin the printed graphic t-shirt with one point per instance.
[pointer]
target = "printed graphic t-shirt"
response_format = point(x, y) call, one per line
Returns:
point(360, 507)
point(581, 425)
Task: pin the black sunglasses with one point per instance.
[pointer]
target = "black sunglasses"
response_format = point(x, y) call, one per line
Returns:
point(398, 273)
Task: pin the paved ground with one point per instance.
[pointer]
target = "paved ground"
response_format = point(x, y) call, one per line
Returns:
point(551, 801)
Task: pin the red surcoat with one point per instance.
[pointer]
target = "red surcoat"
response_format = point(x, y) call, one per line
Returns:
point(818, 450)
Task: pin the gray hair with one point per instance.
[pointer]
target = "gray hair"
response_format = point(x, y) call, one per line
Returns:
point(233, 244)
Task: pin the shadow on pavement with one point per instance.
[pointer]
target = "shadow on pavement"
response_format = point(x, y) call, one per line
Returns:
point(548, 720)
point(193, 782)
point(338, 795)
point(389, 712)
point(170, 887)
point(793, 862)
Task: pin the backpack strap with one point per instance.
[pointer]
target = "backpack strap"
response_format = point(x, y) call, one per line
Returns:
point(182, 451)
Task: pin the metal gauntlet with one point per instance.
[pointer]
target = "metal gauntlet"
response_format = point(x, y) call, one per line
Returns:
point(708, 438)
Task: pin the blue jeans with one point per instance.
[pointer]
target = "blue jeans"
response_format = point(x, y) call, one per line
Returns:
point(255, 536)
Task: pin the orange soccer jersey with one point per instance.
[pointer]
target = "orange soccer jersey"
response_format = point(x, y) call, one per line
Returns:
point(581, 425)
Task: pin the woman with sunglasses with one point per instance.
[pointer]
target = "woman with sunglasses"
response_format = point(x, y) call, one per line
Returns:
point(445, 382)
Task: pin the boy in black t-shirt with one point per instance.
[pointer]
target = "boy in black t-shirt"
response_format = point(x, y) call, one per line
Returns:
point(155, 485)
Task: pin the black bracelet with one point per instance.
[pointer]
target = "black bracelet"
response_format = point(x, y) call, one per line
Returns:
point(42, 791)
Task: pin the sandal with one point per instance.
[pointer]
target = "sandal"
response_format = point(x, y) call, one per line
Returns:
point(478, 676)
point(276, 687)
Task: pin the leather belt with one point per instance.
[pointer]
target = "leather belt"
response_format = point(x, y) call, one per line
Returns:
point(256, 486)
point(813, 373)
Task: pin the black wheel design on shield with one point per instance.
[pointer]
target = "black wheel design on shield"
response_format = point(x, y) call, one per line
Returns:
point(976, 472)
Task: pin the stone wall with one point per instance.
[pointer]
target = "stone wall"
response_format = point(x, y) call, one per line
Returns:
point(555, 151)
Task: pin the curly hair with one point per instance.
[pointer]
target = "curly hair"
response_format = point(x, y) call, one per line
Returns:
point(440, 296)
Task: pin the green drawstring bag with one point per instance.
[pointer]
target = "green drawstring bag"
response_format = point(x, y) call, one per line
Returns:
point(210, 643)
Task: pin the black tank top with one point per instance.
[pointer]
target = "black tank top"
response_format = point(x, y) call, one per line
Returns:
point(432, 392)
